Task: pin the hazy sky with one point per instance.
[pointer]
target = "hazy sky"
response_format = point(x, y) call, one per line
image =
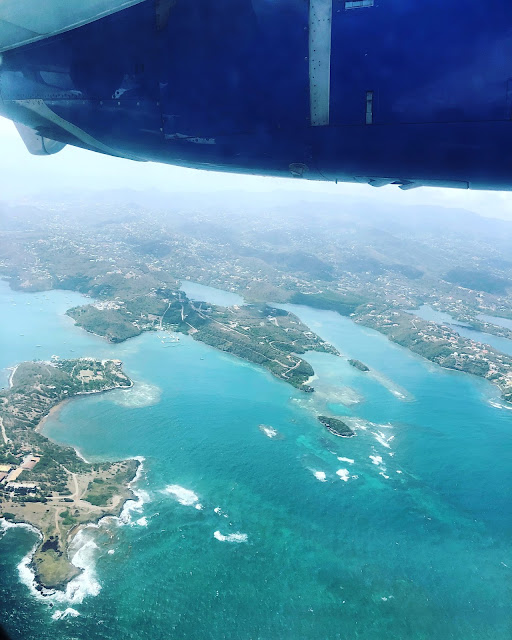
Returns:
point(22, 174)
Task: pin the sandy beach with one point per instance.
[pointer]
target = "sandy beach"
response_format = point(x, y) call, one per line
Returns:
point(52, 413)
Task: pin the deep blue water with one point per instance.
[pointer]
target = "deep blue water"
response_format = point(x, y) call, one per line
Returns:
point(424, 553)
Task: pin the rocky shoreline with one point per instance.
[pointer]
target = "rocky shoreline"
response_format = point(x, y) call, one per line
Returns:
point(58, 493)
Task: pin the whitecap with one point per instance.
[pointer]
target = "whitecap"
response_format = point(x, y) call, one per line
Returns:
point(376, 459)
point(66, 613)
point(142, 522)
point(270, 432)
point(320, 475)
point(182, 495)
point(7, 524)
point(133, 506)
point(83, 558)
point(499, 405)
point(219, 512)
point(381, 473)
point(111, 552)
point(82, 553)
point(231, 537)
point(349, 460)
point(357, 423)
point(142, 394)
point(142, 497)
point(199, 506)
point(381, 439)
point(343, 474)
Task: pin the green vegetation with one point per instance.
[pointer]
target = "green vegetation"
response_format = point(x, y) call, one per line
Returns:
point(112, 324)
point(36, 388)
point(329, 301)
point(255, 333)
point(336, 427)
point(101, 492)
point(264, 335)
point(101, 496)
point(440, 344)
point(358, 365)
point(67, 519)
point(478, 280)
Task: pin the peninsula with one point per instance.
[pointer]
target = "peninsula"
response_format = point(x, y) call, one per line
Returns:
point(262, 334)
point(47, 485)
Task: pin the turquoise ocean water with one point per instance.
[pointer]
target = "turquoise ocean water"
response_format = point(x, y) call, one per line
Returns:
point(240, 536)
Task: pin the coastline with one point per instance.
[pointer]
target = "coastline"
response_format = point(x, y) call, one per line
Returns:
point(11, 376)
point(59, 406)
point(80, 582)
point(54, 411)
point(90, 493)
point(64, 588)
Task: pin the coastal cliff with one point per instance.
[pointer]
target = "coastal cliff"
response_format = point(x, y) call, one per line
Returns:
point(47, 485)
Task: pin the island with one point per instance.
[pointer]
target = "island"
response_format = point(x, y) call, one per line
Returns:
point(358, 365)
point(336, 427)
point(132, 260)
point(47, 485)
point(440, 344)
point(268, 336)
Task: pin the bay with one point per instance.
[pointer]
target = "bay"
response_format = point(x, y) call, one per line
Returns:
point(501, 344)
point(414, 544)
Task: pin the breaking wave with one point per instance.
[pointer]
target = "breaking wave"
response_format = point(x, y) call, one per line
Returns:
point(65, 613)
point(343, 474)
point(231, 537)
point(83, 552)
point(182, 495)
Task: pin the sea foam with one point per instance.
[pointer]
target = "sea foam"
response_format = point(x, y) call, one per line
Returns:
point(142, 497)
point(270, 432)
point(382, 439)
point(141, 394)
point(65, 613)
point(182, 495)
point(343, 474)
point(231, 537)
point(83, 552)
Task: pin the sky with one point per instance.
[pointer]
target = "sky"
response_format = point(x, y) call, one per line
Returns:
point(22, 174)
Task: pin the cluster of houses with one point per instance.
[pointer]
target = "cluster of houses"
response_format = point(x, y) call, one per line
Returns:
point(9, 475)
